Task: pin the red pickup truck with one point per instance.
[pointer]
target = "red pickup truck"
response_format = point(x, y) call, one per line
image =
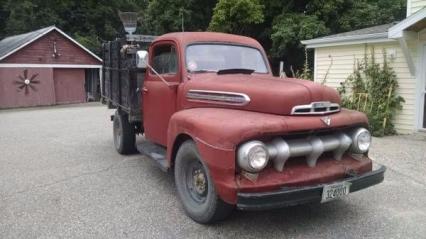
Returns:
point(236, 136)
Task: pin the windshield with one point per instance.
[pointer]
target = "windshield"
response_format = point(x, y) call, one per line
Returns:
point(216, 57)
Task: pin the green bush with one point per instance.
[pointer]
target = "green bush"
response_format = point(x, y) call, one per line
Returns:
point(372, 89)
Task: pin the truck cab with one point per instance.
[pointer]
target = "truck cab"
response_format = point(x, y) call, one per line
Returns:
point(235, 135)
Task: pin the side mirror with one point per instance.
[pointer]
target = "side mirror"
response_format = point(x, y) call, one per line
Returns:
point(141, 59)
point(142, 62)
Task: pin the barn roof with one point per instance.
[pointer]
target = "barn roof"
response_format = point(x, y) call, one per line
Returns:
point(12, 44)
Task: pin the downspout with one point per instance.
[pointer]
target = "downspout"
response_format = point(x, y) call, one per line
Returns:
point(407, 54)
point(402, 39)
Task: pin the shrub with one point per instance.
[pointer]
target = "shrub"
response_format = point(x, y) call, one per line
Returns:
point(372, 89)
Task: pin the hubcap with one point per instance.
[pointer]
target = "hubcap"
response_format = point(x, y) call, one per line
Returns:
point(196, 182)
point(199, 181)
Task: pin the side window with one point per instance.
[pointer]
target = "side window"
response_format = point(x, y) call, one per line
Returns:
point(165, 59)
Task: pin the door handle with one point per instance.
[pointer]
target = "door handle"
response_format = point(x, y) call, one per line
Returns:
point(145, 90)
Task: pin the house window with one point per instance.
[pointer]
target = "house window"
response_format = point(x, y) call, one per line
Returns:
point(165, 59)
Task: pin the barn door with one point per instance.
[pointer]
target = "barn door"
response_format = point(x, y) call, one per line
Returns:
point(69, 86)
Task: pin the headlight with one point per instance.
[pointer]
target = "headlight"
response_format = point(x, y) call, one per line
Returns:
point(253, 156)
point(361, 140)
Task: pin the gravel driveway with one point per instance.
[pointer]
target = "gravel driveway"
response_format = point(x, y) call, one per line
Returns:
point(61, 177)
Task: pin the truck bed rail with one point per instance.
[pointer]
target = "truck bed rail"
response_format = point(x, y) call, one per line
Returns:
point(121, 80)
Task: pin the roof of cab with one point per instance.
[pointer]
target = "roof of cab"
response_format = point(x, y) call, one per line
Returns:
point(186, 38)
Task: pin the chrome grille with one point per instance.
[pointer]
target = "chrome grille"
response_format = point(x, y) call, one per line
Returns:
point(310, 147)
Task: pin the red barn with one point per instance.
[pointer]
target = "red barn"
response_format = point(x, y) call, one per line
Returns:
point(46, 67)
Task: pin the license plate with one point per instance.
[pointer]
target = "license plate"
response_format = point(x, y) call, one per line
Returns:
point(333, 191)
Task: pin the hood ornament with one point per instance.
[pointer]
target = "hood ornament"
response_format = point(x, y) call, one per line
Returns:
point(326, 120)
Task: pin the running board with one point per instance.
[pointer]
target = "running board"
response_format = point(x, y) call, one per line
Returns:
point(155, 152)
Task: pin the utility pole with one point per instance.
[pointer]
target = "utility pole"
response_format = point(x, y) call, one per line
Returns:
point(182, 19)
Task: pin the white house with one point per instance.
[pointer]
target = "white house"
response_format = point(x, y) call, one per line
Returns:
point(405, 41)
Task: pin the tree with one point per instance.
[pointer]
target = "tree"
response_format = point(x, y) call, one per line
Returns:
point(307, 19)
point(281, 25)
point(4, 14)
point(236, 16)
point(278, 25)
point(288, 29)
point(163, 16)
point(24, 16)
point(89, 22)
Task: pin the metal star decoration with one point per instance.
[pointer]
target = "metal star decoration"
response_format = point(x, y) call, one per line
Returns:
point(25, 83)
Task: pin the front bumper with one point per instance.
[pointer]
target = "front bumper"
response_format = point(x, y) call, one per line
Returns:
point(300, 195)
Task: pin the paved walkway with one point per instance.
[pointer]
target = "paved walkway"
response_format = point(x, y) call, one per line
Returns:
point(405, 154)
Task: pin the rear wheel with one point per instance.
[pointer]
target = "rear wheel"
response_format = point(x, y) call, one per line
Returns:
point(123, 133)
point(195, 187)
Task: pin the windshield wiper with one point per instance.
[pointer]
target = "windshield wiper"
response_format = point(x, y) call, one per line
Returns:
point(202, 71)
point(235, 71)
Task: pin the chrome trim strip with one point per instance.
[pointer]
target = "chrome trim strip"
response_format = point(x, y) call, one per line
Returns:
point(315, 105)
point(218, 97)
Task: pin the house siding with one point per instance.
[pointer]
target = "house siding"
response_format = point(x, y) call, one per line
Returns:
point(344, 58)
point(415, 5)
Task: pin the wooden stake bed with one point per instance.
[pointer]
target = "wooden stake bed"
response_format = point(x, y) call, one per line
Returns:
point(121, 79)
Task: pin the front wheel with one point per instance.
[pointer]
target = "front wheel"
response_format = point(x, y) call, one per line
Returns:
point(195, 187)
point(124, 134)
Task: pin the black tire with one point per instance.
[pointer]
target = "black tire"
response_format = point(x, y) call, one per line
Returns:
point(123, 134)
point(195, 187)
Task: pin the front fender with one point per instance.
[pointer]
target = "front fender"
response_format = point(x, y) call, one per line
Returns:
point(218, 131)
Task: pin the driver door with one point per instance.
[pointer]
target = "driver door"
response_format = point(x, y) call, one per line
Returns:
point(159, 99)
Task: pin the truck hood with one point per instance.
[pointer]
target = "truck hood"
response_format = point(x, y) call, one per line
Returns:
point(267, 94)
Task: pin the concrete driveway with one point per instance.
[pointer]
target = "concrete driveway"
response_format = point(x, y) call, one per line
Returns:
point(60, 177)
